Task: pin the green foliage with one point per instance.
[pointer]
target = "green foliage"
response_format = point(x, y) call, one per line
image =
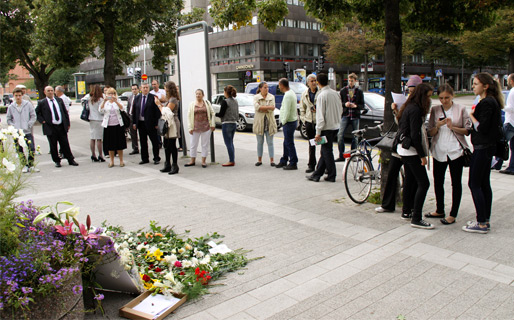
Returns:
point(30, 84)
point(62, 77)
point(375, 198)
point(235, 12)
point(271, 12)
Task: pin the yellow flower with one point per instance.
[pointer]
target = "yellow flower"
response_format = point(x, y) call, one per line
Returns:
point(158, 254)
point(188, 246)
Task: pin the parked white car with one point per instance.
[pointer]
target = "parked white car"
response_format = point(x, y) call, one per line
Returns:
point(246, 110)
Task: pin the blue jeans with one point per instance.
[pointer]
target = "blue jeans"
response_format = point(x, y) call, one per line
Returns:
point(289, 148)
point(260, 144)
point(508, 129)
point(480, 182)
point(345, 122)
point(228, 130)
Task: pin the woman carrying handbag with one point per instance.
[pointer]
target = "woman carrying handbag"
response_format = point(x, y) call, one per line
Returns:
point(448, 125)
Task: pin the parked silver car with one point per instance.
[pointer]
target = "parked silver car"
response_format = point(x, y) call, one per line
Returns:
point(246, 110)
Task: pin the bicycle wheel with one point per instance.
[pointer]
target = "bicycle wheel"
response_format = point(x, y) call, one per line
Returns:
point(358, 178)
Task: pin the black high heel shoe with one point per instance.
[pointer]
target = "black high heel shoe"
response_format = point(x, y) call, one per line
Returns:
point(101, 159)
point(94, 159)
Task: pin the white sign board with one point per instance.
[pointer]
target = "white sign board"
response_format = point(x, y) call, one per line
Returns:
point(194, 72)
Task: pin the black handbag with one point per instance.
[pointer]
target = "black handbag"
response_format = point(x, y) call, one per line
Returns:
point(387, 142)
point(85, 111)
point(502, 146)
point(126, 119)
point(162, 127)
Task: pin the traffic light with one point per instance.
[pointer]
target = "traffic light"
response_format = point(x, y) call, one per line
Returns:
point(321, 62)
point(137, 74)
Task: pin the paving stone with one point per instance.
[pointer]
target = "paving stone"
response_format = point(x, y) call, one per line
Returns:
point(271, 306)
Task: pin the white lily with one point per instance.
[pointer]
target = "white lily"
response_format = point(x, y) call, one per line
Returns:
point(8, 165)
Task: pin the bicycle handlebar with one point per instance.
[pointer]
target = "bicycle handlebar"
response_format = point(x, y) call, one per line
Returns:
point(366, 128)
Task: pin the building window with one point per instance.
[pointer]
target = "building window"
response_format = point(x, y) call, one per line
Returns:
point(302, 24)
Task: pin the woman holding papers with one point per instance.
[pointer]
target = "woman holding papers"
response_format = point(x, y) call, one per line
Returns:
point(448, 125)
point(412, 146)
point(264, 124)
point(169, 113)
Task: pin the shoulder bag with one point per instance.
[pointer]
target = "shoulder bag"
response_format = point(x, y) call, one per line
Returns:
point(85, 111)
point(162, 127)
point(466, 153)
point(126, 119)
point(502, 146)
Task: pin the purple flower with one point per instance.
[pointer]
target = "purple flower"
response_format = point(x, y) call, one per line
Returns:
point(99, 297)
point(26, 290)
point(77, 289)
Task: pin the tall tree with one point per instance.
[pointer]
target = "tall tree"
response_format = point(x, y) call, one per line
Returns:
point(354, 45)
point(36, 43)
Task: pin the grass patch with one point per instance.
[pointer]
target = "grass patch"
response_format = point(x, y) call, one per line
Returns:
point(375, 198)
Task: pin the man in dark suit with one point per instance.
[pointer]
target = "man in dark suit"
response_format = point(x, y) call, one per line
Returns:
point(145, 116)
point(52, 114)
point(130, 110)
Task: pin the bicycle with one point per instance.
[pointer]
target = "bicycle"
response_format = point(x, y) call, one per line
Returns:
point(359, 172)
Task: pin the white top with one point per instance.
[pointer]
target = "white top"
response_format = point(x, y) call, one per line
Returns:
point(406, 152)
point(509, 108)
point(161, 94)
point(447, 145)
point(67, 101)
point(54, 102)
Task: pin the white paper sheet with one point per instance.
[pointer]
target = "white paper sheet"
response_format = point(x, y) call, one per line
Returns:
point(314, 143)
point(156, 305)
point(222, 248)
point(399, 99)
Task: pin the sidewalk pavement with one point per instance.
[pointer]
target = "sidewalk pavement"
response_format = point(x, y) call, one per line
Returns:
point(324, 256)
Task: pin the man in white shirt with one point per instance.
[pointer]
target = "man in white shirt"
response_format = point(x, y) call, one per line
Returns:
point(59, 92)
point(508, 126)
point(159, 93)
point(328, 114)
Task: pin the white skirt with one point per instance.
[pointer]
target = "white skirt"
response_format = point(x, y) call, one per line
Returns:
point(96, 130)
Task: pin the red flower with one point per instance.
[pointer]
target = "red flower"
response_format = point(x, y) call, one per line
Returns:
point(158, 269)
point(146, 278)
point(182, 273)
point(150, 266)
point(178, 264)
point(197, 271)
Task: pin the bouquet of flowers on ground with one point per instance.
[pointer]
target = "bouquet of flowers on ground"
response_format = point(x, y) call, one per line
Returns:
point(171, 264)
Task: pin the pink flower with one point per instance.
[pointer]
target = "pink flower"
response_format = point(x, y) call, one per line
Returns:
point(66, 229)
point(178, 264)
point(83, 232)
point(41, 233)
point(32, 229)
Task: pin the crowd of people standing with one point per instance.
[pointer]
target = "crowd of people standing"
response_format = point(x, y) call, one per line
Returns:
point(326, 114)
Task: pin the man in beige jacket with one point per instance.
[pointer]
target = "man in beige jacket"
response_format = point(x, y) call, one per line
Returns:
point(308, 117)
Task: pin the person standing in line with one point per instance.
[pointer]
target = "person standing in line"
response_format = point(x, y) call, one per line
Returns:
point(52, 114)
point(448, 125)
point(114, 132)
point(412, 146)
point(59, 92)
point(159, 93)
point(96, 131)
point(289, 119)
point(130, 111)
point(328, 113)
point(22, 116)
point(353, 102)
point(145, 119)
point(229, 113)
point(308, 117)
point(486, 118)
point(508, 129)
point(264, 124)
point(201, 125)
point(169, 113)
point(395, 163)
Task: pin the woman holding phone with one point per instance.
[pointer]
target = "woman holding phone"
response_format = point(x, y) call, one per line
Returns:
point(448, 125)
point(114, 133)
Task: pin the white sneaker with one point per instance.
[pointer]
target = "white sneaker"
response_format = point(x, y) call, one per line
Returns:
point(25, 169)
point(34, 169)
point(382, 210)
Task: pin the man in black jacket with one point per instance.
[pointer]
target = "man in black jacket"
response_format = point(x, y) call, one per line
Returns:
point(52, 114)
point(145, 117)
point(353, 102)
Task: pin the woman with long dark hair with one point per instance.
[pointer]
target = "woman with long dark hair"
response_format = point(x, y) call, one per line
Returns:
point(96, 131)
point(169, 112)
point(486, 119)
point(229, 114)
point(413, 149)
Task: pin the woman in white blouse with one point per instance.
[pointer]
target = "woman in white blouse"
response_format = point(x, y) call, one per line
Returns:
point(448, 125)
point(114, 133)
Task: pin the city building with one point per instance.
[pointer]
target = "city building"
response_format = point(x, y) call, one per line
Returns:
point(18, 75)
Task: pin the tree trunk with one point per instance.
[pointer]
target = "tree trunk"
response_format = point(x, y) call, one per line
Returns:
point(109, 67)
point(393, 74)
point(511, 60)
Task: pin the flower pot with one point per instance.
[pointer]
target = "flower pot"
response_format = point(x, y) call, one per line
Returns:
point(62, 305)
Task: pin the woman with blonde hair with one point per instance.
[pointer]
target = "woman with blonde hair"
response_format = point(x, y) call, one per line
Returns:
point(114, 132)
point(264, 124)
point(201, 125)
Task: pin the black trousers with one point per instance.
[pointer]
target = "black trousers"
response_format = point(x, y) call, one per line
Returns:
point(389, 199)
point(144, 134)
point(59, 135)
point(456, 167)
point(480, 182)
point(170, 149)
point(415, 186)
point(133, 137)
point(326, 161)
point(310, 129)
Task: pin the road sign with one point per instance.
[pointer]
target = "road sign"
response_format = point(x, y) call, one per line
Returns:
point(144, 77)
point(258, 78)
point(439, 73)
point(248, 73)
